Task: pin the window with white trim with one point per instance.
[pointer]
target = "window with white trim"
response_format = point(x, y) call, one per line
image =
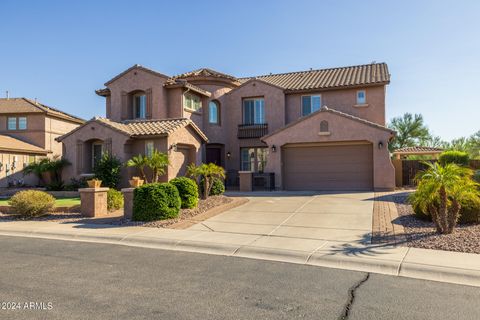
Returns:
point(22, 123)
point(253, 159)
point(254, 111)
point(192, 102)
point(12, 123)
point(213, 112)
point(139, 106)
point(361, 97)
point(311, 104)
point(149, 147)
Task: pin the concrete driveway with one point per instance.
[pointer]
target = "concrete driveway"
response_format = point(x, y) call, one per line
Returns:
point(345, 217)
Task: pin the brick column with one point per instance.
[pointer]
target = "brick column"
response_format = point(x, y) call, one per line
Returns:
point(93, 201)
point(245, 180)
point(128, 202)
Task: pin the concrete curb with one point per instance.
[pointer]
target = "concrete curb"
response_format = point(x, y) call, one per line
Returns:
point(371, 263)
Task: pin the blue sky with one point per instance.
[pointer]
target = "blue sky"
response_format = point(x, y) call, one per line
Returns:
point(61, 51)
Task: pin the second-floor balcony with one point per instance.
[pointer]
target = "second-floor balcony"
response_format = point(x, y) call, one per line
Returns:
point(252, 131)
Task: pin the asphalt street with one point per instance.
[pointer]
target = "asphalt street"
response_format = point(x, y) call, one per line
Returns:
point(51, 279)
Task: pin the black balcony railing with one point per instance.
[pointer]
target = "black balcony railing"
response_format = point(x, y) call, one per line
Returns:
point(251, 131)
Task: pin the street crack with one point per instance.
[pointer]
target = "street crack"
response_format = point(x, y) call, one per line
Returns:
point(351, 298)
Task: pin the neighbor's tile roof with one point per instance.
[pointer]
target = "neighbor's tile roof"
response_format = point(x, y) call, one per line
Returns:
point(139, 128)
point(368, 74)
point(418, 149)
point(10, 144)
point(24, 105)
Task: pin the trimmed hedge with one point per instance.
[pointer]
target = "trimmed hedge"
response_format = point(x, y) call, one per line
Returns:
point(114, 200)
point(188, 190)
point(31, 203)
point(458, 157)
point(156, 201)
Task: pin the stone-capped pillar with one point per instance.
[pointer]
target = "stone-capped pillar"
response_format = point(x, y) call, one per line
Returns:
point(93, 201)
point(246, 182)
point(128, 202)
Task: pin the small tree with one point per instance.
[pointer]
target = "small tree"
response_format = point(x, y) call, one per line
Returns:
point(158, 161)
point(442, 189)
point(206, 173)
point(108, 169)
point(139, 162)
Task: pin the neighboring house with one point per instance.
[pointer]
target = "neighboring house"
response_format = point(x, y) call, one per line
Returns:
point(271, 123)
point(27, 132)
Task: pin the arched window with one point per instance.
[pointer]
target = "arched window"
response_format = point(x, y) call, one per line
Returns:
point(324, 126)
point(139, 105)
point(214, 112)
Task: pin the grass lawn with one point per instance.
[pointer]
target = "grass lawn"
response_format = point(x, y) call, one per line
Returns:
point(60, 202)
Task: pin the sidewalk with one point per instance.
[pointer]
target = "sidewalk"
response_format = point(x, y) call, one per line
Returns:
point(453, 267)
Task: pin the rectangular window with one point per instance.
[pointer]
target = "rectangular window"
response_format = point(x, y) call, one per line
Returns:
point(97, 151)
point(140, 106)
point(253, 159)
point(311, 104)
point(361, 97)
point(12, 123)
point(22, 123)
point(254, 111)
point(192, 102)
point(149, 147)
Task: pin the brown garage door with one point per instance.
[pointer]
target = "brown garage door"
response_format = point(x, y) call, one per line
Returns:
point(331, 167)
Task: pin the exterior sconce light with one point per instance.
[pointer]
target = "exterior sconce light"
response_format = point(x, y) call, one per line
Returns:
point(252, 155)
point(380, 145)
point(173, 147)
point(274, 148)
point(229, 155)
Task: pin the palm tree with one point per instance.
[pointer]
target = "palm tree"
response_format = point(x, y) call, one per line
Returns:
point(411, 131)
point(442, 189)
point(209, 172)
point(158, 161)
point(139, 162)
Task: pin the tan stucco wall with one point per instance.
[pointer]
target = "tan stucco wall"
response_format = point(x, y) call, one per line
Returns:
point(137, 79)
point(22, 160)
point(341, 130)
point(343, 100)
point(54, 128)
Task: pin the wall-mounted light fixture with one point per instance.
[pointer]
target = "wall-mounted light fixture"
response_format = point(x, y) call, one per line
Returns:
point(380, 145)
point(173, 147)
point(252, 155)
point(274, 148)
point(229, 155)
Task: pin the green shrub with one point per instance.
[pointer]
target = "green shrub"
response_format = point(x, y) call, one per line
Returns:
point(76, 184)
point(452, 156)
point(114, 200)
point(108, 170)
point(218, 187)
point(156, 201)
point(476, 176)
point(188, 190)
point(31, 203)
point(469, 211)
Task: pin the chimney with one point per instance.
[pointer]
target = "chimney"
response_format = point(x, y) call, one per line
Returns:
point(7, 94)
point(36, 101)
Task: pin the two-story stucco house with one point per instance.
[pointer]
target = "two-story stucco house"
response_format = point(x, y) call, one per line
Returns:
point(315, 130)
point(27, 131)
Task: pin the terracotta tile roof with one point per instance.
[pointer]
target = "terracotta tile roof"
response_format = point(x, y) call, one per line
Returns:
point(142, 128)
point(24, 105)
point(368, 74)
point(136, 66)
point(417, 150)
point(204, 72)
point(10, 144)
point(180, 83)
point(104, 92)
point(326, 109)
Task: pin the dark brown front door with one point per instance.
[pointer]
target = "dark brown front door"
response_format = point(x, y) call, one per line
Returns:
point(214, 155)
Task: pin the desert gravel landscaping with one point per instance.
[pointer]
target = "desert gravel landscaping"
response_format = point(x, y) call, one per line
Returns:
point(422, 234)
point(116, 217)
